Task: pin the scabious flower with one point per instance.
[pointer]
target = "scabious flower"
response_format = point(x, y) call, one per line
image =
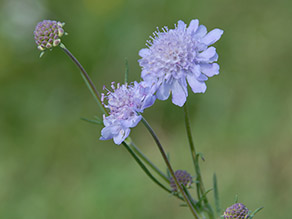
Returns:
point(48, 33)
point(125, 103)
point(236, 211)
point(177, 56)
point(183, 177)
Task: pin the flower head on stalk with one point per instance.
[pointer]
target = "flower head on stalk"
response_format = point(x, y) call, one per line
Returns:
point(236, 211)
point(183, 177)
point(124, 103)
point(48, 33)
point(177, 56)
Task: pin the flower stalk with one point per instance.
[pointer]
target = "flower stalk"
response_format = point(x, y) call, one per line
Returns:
point(144, 167)
point(199, 185)
point(147, 160)
point(85, 77)
point(187, 200)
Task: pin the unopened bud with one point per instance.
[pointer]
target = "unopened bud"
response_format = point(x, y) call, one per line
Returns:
point(183, 177)
point(47, 34)
point(236, 211)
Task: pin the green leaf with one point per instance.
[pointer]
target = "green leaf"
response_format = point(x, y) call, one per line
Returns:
point(236, 199)
point(201, 156)
point(144, 168)
point(204, 196)
point(216, 195)
point(126, 70)
point(95, 121)
point(193, 202)
point(255, 211)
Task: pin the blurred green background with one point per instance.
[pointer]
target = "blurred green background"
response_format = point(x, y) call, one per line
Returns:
point(52, 164)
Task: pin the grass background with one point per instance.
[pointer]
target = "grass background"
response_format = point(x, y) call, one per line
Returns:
point(52, 164)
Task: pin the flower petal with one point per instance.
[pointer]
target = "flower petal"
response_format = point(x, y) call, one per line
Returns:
point(123, 134)
point(145, 74)
point(214, 58)
point(210, 69)
point(201, 32)
point(144, 52)
point(179, 96)
point(212, 36)
point(196, 70)
point(149, 101)
point(193, 26)
point(202, 78)
point(108, 132)
point(163, 91)
point(181, 25)
point(197, 86)
point(206, 55)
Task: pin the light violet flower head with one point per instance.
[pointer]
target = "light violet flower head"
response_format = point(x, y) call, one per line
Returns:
point(124, 103)
point(177, 56)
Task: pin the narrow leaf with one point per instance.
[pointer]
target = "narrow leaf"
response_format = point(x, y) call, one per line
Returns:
point(126, 70)
point(236, 199)
point(193, 202)
point(201, 156)
point(144, 168)
point(255, 211)
point(204, 196)
point(93, 121)
point(216, 195)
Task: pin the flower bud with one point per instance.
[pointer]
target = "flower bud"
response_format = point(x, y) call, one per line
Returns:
point(183, 177)
point(47, 34)
point(236, 211)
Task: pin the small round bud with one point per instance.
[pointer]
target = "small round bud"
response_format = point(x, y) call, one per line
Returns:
point(47, 34)
point(236, 211)
point(183, 177)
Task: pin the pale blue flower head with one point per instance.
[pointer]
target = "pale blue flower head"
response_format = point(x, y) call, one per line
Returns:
point(125, 103)
point(179, 56)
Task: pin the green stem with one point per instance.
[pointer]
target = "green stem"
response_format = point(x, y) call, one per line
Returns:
point(195, 214)
point(200, 186)
point(147, 161)
point(193, 152)
point(144, 167)
point(86, 77)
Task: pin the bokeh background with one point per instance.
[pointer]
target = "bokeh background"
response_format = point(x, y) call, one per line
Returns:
point(52, 164)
